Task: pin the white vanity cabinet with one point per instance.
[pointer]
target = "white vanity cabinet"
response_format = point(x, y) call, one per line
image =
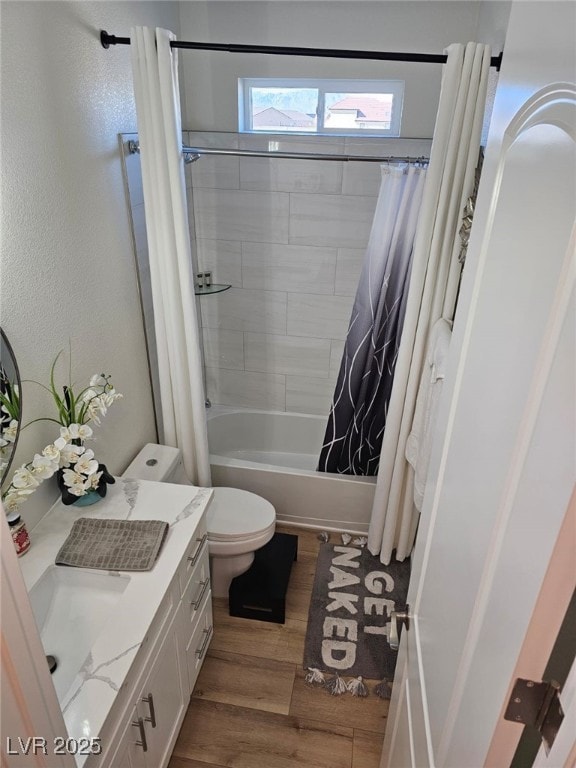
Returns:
point(153, 723)
point(144, 723)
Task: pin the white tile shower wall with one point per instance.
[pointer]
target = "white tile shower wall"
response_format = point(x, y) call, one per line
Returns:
point(223, 349)
point(291, 268)
point(325, 317)
point(245, 310)
point(241, 215)
point(223, 258)
point(348, 268)
point(289, 236)
point(286, 354)
point(246, 389)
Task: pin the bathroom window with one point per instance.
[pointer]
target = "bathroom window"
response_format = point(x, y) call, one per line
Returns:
point(323, 107)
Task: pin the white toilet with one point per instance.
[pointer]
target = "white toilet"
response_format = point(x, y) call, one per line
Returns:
point(239, 522)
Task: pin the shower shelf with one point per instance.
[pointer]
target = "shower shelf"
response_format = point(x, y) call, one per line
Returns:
point(203, 290)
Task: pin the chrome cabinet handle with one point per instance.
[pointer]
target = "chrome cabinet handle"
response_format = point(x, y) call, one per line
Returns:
point(202, 650)
point(140, 725)
point(395, 617)
point(193, 558)
point(150, 701)
point(203, 587)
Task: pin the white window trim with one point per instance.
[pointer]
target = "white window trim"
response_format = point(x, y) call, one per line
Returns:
point(395, 87)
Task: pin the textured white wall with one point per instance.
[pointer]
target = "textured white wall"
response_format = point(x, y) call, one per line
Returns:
point(66, 252)
point(493, 23)
point(427, 27)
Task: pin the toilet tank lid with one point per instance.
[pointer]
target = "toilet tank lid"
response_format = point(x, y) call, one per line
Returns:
point(154, 462)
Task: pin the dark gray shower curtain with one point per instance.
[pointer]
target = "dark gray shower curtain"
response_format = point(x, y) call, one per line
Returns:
point(358, 414)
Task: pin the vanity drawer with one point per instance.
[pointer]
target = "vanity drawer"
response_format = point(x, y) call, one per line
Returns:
point(199, 642)
point(197, 548)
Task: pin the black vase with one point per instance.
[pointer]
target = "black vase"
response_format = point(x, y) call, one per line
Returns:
point(70, 498)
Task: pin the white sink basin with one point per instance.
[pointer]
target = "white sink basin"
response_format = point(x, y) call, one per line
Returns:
point(71, 606)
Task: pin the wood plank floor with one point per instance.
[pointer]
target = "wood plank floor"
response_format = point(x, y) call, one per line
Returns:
point(251, 707)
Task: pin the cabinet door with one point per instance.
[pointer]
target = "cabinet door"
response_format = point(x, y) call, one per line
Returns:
point(162, 703)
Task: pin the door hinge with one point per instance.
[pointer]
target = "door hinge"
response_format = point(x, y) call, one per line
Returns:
point(538, 706)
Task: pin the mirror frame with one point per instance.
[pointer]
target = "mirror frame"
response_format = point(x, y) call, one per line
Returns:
point(6, 344)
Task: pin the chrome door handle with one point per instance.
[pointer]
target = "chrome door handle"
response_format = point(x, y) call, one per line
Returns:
point(150, 701)
point(193, 558)
point(398, 616)
point(140, 725)
point(203, 587)
point(207, 635)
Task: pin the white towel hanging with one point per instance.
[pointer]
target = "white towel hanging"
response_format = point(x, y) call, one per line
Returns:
point(419, 443)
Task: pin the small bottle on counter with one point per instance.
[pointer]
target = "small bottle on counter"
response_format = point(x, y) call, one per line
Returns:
point(19, 533)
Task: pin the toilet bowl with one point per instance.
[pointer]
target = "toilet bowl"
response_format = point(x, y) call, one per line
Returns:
point(238, 522)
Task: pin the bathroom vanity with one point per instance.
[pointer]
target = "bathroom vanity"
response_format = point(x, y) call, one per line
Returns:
point(129, 645)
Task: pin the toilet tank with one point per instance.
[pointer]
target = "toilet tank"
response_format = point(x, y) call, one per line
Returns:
point(161, 463)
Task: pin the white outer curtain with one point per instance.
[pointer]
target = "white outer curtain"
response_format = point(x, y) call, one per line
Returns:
point(155, 74)
point(433, 284)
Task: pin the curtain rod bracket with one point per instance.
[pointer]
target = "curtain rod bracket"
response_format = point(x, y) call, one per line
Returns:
point(107, 40)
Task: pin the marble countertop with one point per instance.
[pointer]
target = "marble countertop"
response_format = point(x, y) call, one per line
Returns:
point(89, 699)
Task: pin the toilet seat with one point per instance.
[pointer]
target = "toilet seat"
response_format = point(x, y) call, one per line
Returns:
point(238, 522)
point(236, 515)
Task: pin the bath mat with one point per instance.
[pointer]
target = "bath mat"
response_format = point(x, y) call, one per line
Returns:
point(113, 545)
point(348, 620)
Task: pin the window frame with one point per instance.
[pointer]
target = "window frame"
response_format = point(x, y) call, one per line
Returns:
point(323, 86)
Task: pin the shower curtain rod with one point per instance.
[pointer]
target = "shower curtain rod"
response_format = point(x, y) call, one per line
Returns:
point(332, 53)
point(191, 154)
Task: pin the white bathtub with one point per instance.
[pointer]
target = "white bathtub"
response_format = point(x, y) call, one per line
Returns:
point(275, 454)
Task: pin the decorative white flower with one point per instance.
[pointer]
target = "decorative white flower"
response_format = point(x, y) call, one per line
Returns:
point(44, 466)
point(11, 502)
point(99, 380)
point(14, 498)
point(11, 431)
point(79, 467)
point(24, 492)
point(52, 451)
point(94, 480)
point(96, 408)
point(76, 432)
point(23, 478)
point(75, 482)
point(78, 489)
point(86, 464)
point(69, 454)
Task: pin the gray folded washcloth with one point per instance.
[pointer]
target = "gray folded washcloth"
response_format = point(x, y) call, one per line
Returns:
point(113, 545)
